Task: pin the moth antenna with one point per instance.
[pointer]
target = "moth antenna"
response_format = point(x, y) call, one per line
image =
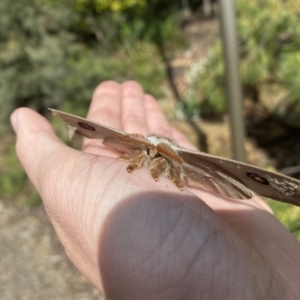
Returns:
point(136, 135)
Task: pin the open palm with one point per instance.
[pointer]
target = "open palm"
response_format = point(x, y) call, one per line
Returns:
point(135, 238)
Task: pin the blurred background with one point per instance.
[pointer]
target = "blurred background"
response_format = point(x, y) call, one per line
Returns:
point(53, 53)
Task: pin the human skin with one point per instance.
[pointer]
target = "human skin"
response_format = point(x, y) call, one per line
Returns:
point(135, 238)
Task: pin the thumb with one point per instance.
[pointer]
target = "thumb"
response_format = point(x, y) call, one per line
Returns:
point(37, 146)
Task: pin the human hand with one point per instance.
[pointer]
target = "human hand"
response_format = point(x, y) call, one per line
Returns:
point(135, 238)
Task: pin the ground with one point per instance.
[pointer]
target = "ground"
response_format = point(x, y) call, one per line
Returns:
point(33, 262)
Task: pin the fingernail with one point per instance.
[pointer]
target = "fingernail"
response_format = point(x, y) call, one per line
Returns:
point(14, 121)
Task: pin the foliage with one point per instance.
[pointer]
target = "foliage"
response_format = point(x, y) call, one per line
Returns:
point(188, 108)
point(110, 5)
point(288, 215)
point(13, 177)
point(289, 73)
point(14, 183)
point(269, 39)
point(207, 82)
point(33, 51)
point(56, 51)
point(123, 23)
point(88, 69)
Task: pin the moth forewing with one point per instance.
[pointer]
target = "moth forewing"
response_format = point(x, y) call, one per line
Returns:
point(87, 128)
point(215, 174)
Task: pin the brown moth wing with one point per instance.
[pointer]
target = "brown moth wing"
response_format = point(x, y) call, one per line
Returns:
point(94, 130)
point(87, 128)
point(262, 182)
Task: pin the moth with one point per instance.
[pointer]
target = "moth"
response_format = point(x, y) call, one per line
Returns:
point(185, 167)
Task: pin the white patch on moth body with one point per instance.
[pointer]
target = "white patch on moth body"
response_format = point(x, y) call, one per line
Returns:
point(155, 140)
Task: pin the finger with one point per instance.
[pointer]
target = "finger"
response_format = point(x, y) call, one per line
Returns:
point(156, 120)
point(181, 139)
point(133, 108)
point(38, 147)
point(105, 108)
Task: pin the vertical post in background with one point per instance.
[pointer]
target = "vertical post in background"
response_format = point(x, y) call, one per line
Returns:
point(233, 84)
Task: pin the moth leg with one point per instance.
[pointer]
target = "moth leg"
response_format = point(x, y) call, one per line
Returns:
point(124, 157)
point(157, 167)
point(174, 176)
point(137, 161)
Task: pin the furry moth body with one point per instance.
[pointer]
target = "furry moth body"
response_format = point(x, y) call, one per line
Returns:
point(182, 166)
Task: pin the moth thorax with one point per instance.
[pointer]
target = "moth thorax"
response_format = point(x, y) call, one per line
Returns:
point(156, 139)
